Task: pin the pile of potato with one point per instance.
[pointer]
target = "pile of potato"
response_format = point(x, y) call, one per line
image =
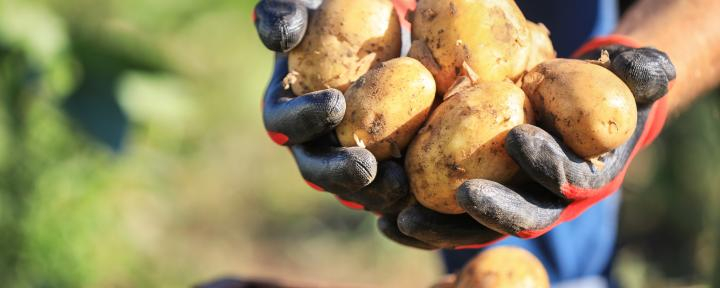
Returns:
point(475, 70)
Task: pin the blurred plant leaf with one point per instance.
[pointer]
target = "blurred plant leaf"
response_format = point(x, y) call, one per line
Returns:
point(155, 99)
point(33, 28)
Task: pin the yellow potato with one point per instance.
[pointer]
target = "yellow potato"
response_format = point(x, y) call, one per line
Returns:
point(491, 36)
point(386, 107)
point(590, 108)
point(345, 38)
point(542, 46)
point(464, 139)
point(503, 267)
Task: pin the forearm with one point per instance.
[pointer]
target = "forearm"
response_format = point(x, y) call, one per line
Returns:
point(689, 32)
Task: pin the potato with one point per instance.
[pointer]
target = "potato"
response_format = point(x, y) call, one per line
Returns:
point(464, 139)
point(503, 267)
point(446, 282)
point(491, 36)
point(542, 48)
point(386, 107)
point(344, 39)
point(590, 108)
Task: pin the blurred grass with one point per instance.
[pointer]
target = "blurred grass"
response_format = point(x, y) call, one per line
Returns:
point(670, 225)
point(196, 190)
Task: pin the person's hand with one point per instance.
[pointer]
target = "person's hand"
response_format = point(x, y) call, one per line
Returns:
point(563, 185)
point(306, 123)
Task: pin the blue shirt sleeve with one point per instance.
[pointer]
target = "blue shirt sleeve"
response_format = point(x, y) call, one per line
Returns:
point(572, 23)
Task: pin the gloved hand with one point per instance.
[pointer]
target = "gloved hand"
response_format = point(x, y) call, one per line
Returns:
point(306, 123)
point(563, 185)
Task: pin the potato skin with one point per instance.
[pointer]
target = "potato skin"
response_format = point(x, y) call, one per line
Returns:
point(503, 267)
point(542, 48)
point(465, 139)
point(590, 108)
point(490, 35)
point(343, 40)
point(386, 107)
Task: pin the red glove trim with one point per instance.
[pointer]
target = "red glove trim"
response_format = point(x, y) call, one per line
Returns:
point(613, 39)
point(314, 186)
point(478, 246)
point(350, 204)
point(278, 137)
point(661, 107)
point(346, 203)
point(583, 198)
point(254, 15)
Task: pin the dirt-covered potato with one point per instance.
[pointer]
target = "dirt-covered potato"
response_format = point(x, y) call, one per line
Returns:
point(503, 267)
point(464, 139)
point(343, 40)
point(386, 107)
point(491, 36)
point(590, 108)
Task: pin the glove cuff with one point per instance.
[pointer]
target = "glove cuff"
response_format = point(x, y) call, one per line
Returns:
point(599, 42)
point(651, 129)
point(656, 121)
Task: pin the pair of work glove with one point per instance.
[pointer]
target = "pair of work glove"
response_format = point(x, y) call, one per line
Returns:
point(559, 186)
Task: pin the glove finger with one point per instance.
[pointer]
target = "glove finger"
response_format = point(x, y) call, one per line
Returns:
point(443, 230)
point(335, 169)
point(293, 120)
point(646, 71)
point(281, 24)
point(387, 224)
point(553, 165)
point(388, 193)
point(509, 211)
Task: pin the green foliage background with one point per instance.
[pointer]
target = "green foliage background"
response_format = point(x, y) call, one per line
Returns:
point(198, 191)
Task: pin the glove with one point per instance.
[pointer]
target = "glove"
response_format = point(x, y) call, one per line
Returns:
point(306, 123)
point(281, 24)
point(575, 184)
point(563, 185)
